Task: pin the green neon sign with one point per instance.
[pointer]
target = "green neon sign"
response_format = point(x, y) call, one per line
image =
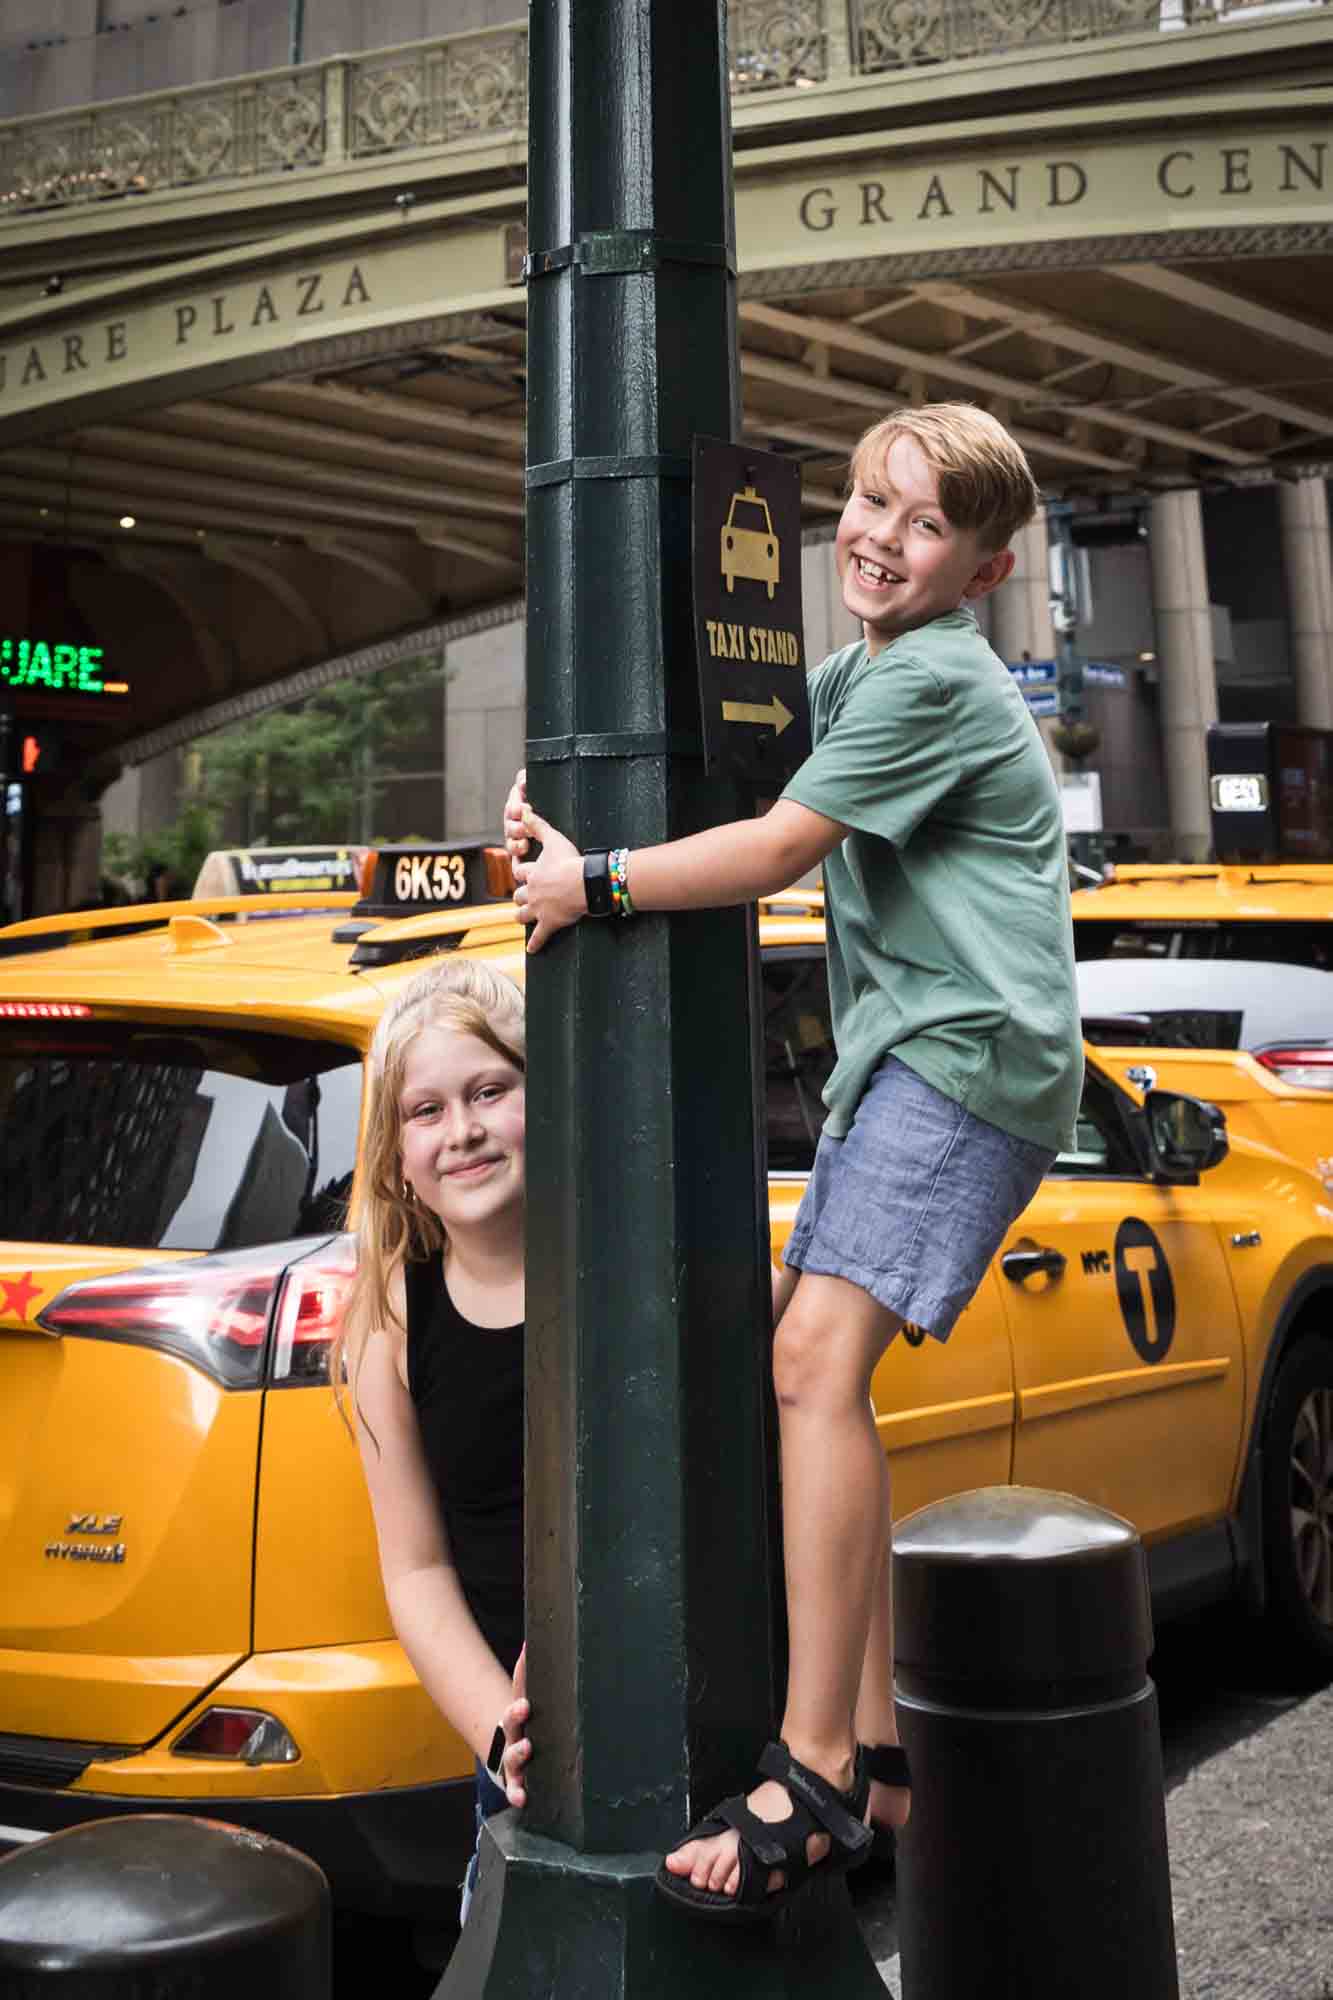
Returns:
point(56, 666)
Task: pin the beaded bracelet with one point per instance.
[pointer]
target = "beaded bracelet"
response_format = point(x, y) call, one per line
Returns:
point(618, 870)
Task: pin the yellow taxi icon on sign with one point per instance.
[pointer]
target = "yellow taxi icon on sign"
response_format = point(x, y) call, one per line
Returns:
point(749, 545)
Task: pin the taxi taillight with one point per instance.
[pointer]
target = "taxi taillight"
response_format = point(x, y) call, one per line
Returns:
point(239, 1735)
point(44, 1010)
point(1305, 1068)
point(218, 1312)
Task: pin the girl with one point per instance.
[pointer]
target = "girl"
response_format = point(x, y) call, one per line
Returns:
point(432, 1341)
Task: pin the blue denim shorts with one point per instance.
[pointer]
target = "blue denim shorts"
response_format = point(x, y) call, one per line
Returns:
point(915, 1201)
point(489, 1801)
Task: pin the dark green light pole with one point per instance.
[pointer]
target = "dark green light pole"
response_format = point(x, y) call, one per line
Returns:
point(650, 1660)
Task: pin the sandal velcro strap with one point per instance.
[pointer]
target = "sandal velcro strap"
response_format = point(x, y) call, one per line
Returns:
point(839, 1813)
point(758, 1834)
point(887, 1764)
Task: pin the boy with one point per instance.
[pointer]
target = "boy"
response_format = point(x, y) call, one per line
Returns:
point(930, 803)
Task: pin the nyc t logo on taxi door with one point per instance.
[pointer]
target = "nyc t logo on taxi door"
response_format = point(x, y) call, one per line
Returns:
point(1145, 1289)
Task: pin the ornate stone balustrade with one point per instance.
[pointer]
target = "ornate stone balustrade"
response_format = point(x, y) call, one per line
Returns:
point(462, 88)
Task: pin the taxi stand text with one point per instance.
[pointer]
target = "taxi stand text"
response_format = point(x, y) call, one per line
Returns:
point(752, 642)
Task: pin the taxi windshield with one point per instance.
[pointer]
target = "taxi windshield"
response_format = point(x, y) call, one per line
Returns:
point(1179, 938)
point(751, 515)
point(173, 1137)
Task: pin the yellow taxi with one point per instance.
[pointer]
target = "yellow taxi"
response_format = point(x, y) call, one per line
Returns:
point(1218, 977)
point(1219, 980)
point(191, 1616)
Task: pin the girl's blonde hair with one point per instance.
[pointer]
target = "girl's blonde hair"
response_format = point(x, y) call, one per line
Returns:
point(392, 1228)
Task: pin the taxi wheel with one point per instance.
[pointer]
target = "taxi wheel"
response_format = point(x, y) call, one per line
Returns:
point(1298, 1503)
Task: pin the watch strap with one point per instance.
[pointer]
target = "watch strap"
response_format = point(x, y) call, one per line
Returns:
point(597, 882)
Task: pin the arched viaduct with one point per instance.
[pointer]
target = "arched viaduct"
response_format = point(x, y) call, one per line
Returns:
point(277, 323)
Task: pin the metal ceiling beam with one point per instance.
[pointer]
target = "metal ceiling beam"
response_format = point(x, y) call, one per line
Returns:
point(835, 444)
point(1096, 346)
point(321, 399)
point(140, 487)
point(316, 480)
point(1220, 303)
point(854, 340)
point(187, 519)
point(463, 545)
point(871, 396)
point(1088, 341)
point(230, 420)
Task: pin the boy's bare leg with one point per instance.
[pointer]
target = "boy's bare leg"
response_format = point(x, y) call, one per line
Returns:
point(876, 1720)
point(835, 1529)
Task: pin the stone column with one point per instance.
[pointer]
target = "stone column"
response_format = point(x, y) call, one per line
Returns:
point(1020, 614)
point(1185, 663)
point(1021, 607)
point(1307, 563)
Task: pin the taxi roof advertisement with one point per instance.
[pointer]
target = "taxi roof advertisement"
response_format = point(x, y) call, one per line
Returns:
point(749, 629)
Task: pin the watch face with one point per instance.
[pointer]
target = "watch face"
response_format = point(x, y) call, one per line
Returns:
point(597, 884)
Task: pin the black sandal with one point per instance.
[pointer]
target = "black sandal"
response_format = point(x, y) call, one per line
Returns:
point(766, 1844)
point(886, 1764)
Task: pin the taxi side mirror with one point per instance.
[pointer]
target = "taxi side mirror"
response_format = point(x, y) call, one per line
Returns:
point(1187, 1135)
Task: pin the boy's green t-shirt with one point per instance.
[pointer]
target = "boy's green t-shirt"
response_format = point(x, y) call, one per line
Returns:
point(950, 942)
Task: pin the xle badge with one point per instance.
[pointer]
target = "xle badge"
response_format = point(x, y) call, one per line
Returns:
point(1143, 1286)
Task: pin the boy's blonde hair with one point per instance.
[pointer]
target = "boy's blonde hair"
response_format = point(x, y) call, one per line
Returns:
point(986, 485)
point(391, 1226)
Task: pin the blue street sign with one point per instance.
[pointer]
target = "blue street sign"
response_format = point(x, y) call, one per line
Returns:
point(1033, 673)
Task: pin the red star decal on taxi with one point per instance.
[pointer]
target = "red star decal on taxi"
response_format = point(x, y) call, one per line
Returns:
point(19, 1294)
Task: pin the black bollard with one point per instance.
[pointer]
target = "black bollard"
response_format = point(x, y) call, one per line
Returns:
point(156, 1906)
point(1034, 1865)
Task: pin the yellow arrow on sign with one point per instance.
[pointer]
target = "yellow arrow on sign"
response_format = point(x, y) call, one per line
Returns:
point(774, 711)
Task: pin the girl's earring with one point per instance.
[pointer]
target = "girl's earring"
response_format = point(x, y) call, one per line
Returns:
point(409, 1193)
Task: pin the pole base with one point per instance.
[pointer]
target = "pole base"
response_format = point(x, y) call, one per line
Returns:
point(549, 1924)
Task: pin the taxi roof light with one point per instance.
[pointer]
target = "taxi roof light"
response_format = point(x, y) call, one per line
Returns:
point(240, 1735)
point(499, 872)
point(215, 1311)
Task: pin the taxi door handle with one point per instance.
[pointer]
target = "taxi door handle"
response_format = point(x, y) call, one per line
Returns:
point(1020, 1264)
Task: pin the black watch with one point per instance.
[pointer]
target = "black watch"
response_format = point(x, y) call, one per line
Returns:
point(495, 1757)
point(597, 882)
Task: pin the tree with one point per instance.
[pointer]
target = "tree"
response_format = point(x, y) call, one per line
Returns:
point(309, 772)
point(180, 846)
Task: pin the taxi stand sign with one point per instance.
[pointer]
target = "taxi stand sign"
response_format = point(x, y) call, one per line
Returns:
point(749, 630)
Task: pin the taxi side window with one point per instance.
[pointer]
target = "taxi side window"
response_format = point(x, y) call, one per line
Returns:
point(798, 1055)
point(1101, 1147)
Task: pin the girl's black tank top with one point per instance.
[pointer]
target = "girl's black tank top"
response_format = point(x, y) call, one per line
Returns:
point(466, 1384)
